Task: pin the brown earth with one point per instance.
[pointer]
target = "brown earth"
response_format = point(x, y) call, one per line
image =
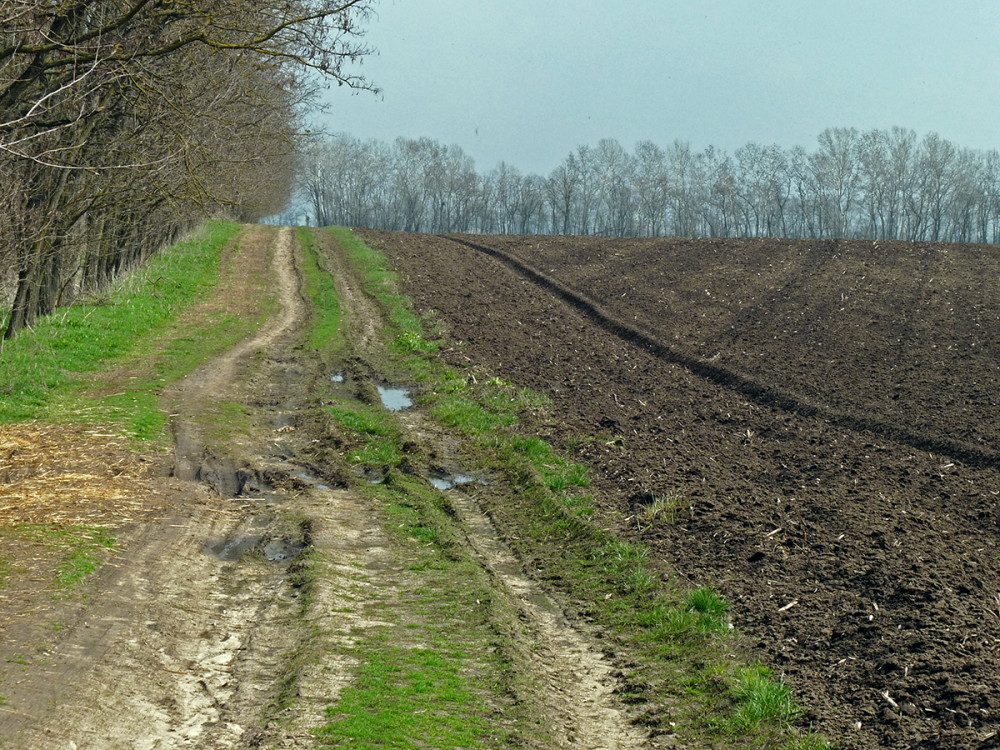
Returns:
point(823, 410)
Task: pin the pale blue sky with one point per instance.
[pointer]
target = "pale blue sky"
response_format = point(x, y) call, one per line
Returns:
point(526, 81)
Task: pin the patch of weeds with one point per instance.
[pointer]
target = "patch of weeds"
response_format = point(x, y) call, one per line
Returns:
point(466, 415)
point(374, 429)
point(375, 453)
point(663, 508)
point(80, 549)
point(504, 398)
point(710, 607)
point(579, 505)
point(405, 698)
point(558, 473)
point(363, 420)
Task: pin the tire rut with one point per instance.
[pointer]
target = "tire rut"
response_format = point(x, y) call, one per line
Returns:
point(178, 647)
point(758, 393)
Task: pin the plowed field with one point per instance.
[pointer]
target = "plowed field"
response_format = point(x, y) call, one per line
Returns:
point(826, 411)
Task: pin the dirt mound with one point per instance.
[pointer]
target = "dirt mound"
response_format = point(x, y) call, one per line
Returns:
point(860, 565)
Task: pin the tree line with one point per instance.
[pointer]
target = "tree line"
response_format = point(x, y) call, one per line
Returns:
point(123, 122)
point(879, 184)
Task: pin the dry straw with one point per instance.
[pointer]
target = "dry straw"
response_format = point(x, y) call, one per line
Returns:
point(71, 474)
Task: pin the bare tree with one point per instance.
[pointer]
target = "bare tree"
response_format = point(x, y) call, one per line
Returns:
point(114, 113)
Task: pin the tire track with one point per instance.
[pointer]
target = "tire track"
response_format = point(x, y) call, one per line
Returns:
point(754, 391)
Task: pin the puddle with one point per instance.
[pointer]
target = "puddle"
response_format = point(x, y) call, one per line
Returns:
point(337, 377)
point(442, 480)
point(311, 480)
point(276, 550)
point(373, 475)
point(281, 550)
point(233, 549)
point(395, 399)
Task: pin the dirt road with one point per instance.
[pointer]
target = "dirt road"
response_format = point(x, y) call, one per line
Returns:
point(202, 631)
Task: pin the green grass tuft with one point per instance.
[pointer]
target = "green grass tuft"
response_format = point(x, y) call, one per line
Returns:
point(761, 700)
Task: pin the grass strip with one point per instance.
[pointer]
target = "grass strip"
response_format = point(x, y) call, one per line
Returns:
point(431, 673)
point(41, 369)
point(324, 333)
point(681, 641)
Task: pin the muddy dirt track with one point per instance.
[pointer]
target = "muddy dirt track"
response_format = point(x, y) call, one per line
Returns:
point(200, 633)
point(826, 412)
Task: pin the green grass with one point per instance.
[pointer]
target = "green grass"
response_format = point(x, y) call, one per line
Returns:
point(373, 437)
point(467, 416)
point(761, 701)
point(324, 333)
point(431, 678)
point(404, 698)
point(41, 369)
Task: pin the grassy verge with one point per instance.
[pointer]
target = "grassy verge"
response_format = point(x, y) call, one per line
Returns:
point(687, 655)
point(43, 371)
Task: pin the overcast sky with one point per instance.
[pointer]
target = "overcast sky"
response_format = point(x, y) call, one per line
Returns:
point(526, 81)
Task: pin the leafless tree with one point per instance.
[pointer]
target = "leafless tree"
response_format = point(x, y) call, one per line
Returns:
point(121, 121)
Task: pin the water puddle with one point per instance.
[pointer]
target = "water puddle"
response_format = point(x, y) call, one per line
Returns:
point(282, 550)
point(444, 480)
point(231, 550)
point(312, 481)
point(275, 550)
point(373, 475)
point(395, 399)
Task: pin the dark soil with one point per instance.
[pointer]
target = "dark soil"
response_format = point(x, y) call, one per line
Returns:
point(826, 411)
